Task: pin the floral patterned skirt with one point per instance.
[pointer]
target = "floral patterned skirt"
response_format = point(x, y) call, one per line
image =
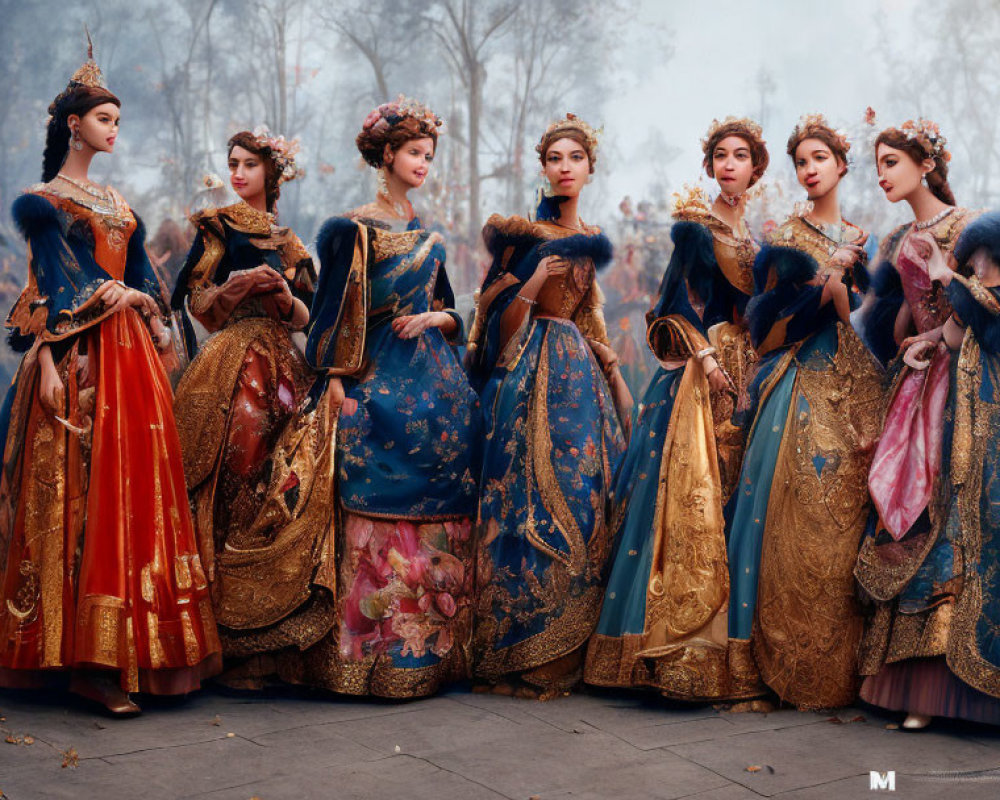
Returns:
point(403, 620)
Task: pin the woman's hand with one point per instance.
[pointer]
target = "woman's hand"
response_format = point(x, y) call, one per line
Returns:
point(338, 401)
point(412, 325)
point(547, 267)
point(933, 336)
point(117, 297)
point(551, 265)
point(283, 298)
point(718, 378)
point(917, 355)
point(622, 398)
point(847, 255)
point(50, 387)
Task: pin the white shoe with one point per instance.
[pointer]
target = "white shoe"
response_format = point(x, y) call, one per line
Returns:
point(915, 722)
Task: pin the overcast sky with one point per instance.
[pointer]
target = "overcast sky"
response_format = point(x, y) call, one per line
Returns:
point(822, 57)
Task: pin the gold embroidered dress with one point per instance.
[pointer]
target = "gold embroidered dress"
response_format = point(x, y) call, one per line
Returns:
point(99, 560)
point(251, 461)
point(713, 263)
point(801, 503)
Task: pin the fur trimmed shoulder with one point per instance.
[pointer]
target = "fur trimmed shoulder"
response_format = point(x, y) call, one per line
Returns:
point(596, 246)
point(690, 233)
point(331, 234)
point(776, 265)
point(33, 211)
point(500, 232)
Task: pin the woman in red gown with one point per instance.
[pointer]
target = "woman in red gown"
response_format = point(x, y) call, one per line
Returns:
point(99, 568)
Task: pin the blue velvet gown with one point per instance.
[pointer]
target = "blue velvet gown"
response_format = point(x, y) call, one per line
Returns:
point(553, 444)
point(406, 465)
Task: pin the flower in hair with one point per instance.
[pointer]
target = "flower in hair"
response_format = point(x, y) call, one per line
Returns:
point(928, 135)
point(389, 114)
point(283, 151)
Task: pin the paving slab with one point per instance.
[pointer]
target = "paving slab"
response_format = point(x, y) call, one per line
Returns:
point(460, 745)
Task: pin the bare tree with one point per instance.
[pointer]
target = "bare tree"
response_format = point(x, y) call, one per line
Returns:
point(465, 29)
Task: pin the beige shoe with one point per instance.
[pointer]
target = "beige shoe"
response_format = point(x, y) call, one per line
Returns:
point(916, 722)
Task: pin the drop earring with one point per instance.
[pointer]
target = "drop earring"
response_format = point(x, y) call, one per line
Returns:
point(75, 140)
point(381, 184)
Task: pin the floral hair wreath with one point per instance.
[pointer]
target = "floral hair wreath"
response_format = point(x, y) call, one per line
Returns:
point(810, 123)
point(924, 132)
point(283, 151)
point(573, 122)
point(744, 125)
point(389, 114)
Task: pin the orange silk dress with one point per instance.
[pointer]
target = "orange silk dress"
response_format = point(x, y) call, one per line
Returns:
point(99, 558)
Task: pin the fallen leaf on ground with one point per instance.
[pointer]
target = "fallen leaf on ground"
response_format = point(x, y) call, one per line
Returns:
point(216, 720)
point(29, 740)
point(835, 720)
point(892, 726)
point(230, 735)
point(753, 768)
point(858, 718)
point(71, 758)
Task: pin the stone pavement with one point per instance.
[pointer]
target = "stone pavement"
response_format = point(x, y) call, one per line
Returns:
point(463, 745)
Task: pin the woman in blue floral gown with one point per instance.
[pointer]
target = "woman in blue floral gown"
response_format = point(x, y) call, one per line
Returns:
point(556, 405)
point(384, 330)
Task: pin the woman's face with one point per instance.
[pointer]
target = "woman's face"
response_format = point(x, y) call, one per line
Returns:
point(566, 167)
point(817, 169)
point(246, 173)
point(411, 162)
point(898, 174)
point(98, 128)
point(733, 165)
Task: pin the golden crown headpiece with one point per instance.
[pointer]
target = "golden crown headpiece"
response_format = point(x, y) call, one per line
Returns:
point(389, 114)
point(811, 123)
point(89, 74)
point(283, 151)
point(571, 122)
point(737, 125)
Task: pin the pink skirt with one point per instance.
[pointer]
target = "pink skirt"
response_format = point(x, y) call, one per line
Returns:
point(927, 686)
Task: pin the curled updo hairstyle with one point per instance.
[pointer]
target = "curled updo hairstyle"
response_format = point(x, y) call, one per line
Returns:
point(937, 178)
point(838, 144)
point(577, 134)
point(371, 141)
point(79, 101)
point(751, 135)
point(272, 174)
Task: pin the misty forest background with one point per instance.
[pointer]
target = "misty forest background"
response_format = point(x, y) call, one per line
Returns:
point(190, 73)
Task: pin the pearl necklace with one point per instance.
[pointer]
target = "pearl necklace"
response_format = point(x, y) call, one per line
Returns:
point(930, 223)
